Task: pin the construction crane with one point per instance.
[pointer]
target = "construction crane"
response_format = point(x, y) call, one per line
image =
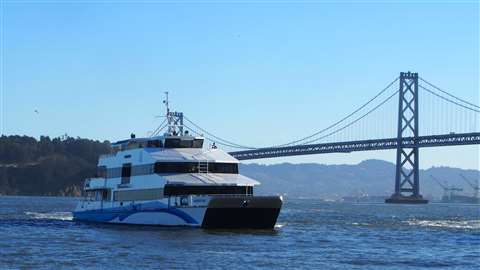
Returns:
point(448, 191)
point(474, 186)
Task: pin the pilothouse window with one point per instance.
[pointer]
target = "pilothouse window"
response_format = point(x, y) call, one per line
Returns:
point(172, 143)
point(183, 143)
point(197, 143)
point(155, 144)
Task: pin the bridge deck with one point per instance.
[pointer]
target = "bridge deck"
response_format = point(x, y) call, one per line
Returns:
point(363, 145)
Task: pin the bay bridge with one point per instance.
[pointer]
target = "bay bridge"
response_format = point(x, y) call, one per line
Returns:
point(457, 122)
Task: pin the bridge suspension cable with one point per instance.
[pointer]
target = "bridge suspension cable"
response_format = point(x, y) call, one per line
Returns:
point(215, 138)
point(447, 93)
point(354, 121)
point(212, 139)
point(449, 100)
point(341, 120)
point(303, 140)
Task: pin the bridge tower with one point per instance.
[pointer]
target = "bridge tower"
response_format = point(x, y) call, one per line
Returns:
point(407, 186)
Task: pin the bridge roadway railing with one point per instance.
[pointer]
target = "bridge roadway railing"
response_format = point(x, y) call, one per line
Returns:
point(363, 145)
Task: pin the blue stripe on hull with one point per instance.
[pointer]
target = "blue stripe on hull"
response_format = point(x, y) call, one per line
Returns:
point(109, 214)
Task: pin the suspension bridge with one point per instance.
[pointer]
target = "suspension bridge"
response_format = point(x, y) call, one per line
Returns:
point(448, 120)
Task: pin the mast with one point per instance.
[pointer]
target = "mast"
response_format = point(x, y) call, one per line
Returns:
point(165, 101)
point(174, 119)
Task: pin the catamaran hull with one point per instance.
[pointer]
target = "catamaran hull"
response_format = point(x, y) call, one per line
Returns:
point(221, 213)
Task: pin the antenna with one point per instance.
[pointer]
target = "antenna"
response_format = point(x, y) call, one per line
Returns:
point(165, 101)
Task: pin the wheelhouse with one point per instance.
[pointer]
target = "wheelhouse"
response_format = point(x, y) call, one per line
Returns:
point(169, 141)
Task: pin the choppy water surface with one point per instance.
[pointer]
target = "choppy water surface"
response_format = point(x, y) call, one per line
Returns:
point(38, 233)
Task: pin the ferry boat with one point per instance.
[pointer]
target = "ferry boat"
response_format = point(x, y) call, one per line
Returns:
point(173, 180)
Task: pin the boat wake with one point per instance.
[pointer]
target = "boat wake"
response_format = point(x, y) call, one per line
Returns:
point(451, 224)
point(51, 215)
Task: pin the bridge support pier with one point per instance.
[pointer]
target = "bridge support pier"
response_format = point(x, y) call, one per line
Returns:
point(407, 185)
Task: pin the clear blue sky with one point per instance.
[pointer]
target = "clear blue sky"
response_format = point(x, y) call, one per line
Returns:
point(257, 73)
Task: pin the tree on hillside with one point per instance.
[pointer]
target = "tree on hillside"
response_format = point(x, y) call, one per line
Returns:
point(47, 166)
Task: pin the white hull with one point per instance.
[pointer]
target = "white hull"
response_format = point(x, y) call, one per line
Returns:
point(148, 213)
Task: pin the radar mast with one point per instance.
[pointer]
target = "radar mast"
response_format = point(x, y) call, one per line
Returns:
point(174, 119)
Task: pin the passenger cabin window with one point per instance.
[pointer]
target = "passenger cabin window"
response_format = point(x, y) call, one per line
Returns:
point(98, 195)
point(176, 167)
point(223, 168)
point(183, 143)
point(192, 167)
point(175, 190)
point(126, 173)
point(138, 195)
point(155, 144)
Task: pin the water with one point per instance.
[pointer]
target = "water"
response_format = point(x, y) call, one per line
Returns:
point(38, 233)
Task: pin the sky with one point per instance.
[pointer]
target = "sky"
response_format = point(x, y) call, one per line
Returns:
point(257, 73)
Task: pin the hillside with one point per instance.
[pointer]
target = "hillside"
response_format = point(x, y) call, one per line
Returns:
point(47, 166)
point(372, 177)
